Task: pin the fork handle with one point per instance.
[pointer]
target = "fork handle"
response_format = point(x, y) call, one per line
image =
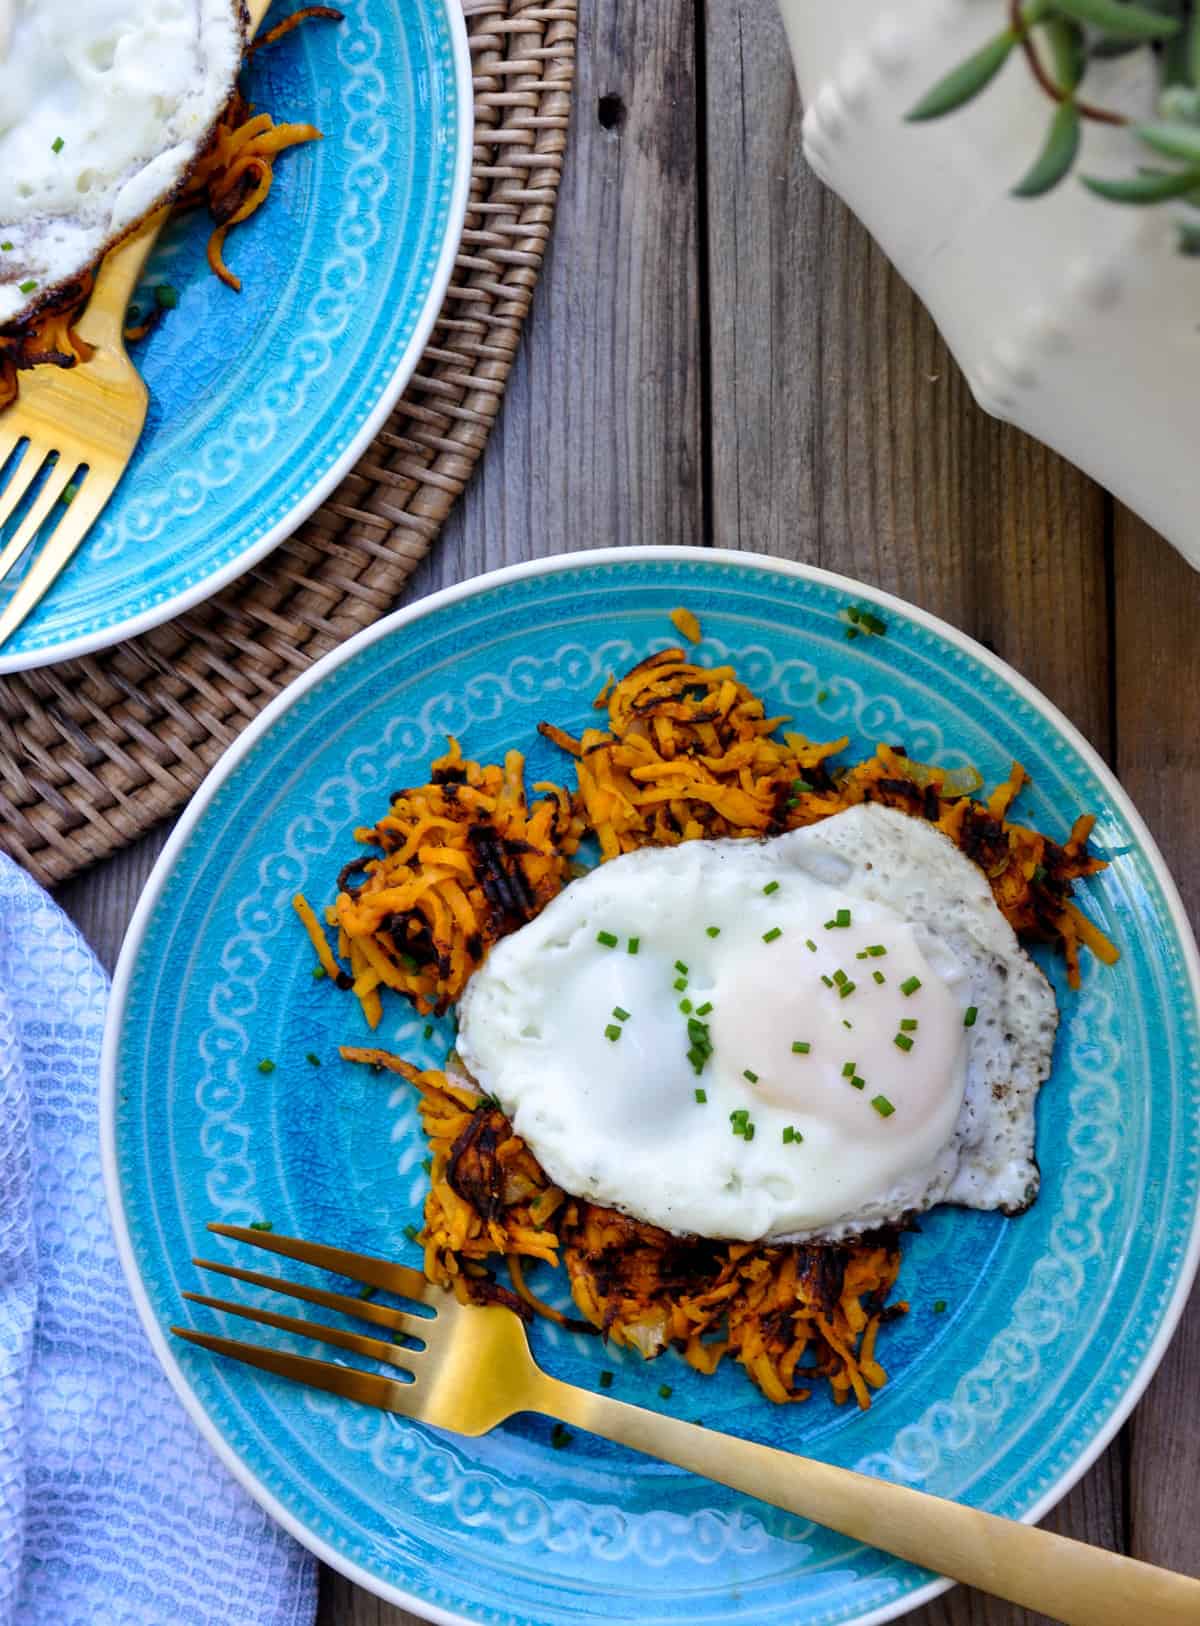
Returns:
point(1075, 1583)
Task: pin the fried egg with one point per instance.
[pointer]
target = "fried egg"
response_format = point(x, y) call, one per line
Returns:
point(104, 106)
point(797, 1039)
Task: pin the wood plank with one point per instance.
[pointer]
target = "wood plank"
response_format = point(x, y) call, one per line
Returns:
point(344, 1604)
point(102, 899)
point(600, 440)
point(843, 434)
point(1157, 599)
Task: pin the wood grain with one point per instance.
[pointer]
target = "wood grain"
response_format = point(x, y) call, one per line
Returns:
point(843, 434)
point(1157, 650)
point(600, 443)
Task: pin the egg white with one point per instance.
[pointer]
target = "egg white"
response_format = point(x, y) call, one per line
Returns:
point(104, 107)
point(618, 1121)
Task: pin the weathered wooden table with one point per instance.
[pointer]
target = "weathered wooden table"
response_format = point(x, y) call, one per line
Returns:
point(718, 355)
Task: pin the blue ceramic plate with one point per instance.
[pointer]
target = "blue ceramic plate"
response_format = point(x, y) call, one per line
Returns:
point(261, 402)
point(1052, 1323)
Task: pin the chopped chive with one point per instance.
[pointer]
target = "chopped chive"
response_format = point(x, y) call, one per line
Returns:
point(858, 1083)
point(681, 968)
point(792, 801)
point(846, 989)
point(846, 1024)
point(849, 1070)
point(685, 1005)
point(843, 917)
point(621, 1016)
point(635, 943)
point(560, 1437)
point(879, 977)
point(665, 1391)
point(789, 1135)
point(902, 1042)
point(771, 886)
point(800, 1047)
point(262, 1225)
point(697, 1059)
point(606, 1380)
point(809, 944)
point(6, 247)
point(840, 978)
point(776, 931)
point(70, 492)
point(427, 1164)
point(312, 1059)
point(908, 1024)
point(875, 950)
point(822, 696)
point(613, 1032)
point(851, 634)
point(739, 1114)
point(703, 1010)
point(882, 1106)
point(828, 981)
point(266, 1066)
point(701, 1096)
point(748, 1132)
point(166, 297)
point(410, 1232)
point(713, 931)
point(939, 1306)
point(609, 939)
point(969, 1016)
point(861, 955)
point(800, 786)
point(752, 1077)
point(27, 287)
point(57, 144)
point(909, 986)
point(679, 984)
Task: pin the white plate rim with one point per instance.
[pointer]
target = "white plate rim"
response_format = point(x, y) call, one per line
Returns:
point(246, 742)
point(121, 631)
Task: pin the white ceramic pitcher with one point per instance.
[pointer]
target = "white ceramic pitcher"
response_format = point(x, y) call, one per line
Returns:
point(1075, 318)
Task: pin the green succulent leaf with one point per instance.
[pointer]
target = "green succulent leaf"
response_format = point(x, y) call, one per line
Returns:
point(966, 81)
point(1057, 158)
point(1120, 22)
point(1152, 186)
point(1180, 104)
point(1181, 141)
point(1068, 50)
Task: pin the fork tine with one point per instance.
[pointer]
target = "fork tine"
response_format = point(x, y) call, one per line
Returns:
point(358, 1343)
point(381, 1314)
point(20, 477)
point(368, 1388)
point(58, 551)
point(55, 484)
point(360, 1267)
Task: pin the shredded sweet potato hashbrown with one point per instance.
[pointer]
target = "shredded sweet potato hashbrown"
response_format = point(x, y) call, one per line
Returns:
point(788, 1314)
point(688, 753)
point(465, 859)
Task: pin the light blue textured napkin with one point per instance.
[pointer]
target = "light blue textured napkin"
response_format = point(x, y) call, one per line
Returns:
point(113, 1509)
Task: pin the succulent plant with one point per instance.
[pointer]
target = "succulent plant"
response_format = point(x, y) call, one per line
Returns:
point(1060, 41)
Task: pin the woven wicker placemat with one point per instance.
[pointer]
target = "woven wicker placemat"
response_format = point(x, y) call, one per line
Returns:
point(95, 751)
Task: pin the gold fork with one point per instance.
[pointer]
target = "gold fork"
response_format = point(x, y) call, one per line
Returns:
point(468, 1369)
point(89, 417)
